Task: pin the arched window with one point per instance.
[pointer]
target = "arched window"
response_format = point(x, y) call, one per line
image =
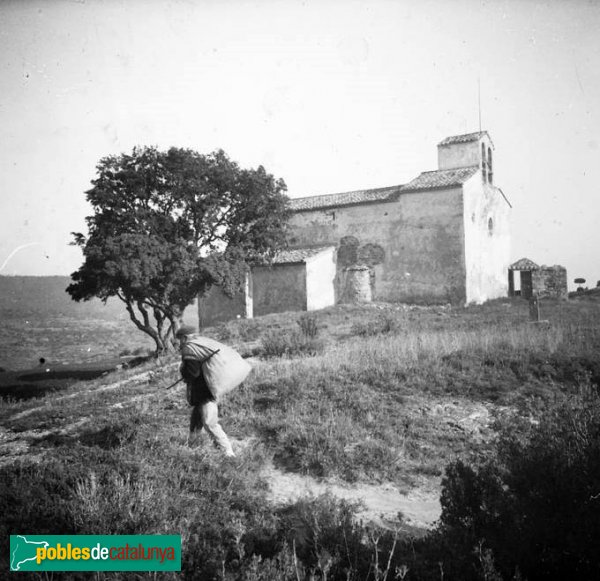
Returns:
point(490, 167)
point(483, 163)
point(490, 226)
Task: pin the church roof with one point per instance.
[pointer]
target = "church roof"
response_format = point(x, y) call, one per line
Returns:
point(343, 199)
point(443, 178)
point(295, 255)
point(428, 180)
point(465, 138)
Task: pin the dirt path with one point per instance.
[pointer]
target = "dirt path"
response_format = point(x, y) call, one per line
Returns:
point(138, 378)
point(419, 508)
point(17, 444)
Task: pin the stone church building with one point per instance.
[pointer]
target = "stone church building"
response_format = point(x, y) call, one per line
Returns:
point(442, 237)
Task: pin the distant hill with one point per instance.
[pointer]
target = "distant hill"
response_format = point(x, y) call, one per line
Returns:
point(28, 296)
point(39, 319)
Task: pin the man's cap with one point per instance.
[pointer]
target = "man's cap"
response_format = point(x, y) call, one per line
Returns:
point(185, 330)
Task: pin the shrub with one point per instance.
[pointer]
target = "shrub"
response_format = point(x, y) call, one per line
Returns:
point(536, 504)
point(226, 332)
point(238, 330)
point(308, 325)
point(381, 325)
point(329, 541)
point(294, 343)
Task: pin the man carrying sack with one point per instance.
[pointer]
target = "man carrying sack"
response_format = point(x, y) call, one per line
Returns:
point(210, 370)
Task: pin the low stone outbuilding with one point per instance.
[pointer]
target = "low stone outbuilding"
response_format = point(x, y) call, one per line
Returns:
point(527, 279)
point(300, 279)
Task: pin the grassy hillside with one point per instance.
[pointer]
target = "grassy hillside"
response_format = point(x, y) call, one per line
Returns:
point(378, 396)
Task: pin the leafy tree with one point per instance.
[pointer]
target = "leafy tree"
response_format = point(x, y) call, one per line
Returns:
point(167, 225)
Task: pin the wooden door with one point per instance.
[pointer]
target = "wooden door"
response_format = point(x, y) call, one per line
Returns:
point(526, 284)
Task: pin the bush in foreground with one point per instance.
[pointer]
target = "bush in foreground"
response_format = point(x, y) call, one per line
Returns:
point(535, 508)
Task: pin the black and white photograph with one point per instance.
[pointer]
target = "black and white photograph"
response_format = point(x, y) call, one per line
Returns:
point(300, 290)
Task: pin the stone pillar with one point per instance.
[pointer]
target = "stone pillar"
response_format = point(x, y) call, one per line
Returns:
point(534, 309)
point(357, 285)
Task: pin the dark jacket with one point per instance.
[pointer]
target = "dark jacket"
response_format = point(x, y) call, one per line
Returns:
point(197, 388)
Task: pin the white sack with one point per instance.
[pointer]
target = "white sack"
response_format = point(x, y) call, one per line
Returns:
point(224, 369)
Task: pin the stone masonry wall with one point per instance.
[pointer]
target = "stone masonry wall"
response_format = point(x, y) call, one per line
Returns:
point(357, 285)
point(413, 246)
point(551, 282)
point(216, 306)
point(279, 288)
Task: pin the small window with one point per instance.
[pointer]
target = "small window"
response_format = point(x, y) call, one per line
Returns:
point(490, 168)
point(490, 226)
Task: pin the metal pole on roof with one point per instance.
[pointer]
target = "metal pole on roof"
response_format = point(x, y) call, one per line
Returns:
point(479, 100)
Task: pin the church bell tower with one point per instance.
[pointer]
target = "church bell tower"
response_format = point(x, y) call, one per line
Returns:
point(471, 149)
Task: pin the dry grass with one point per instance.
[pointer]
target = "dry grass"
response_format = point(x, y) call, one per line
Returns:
point(387, 405)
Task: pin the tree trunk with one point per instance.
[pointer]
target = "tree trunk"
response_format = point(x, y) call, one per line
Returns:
point(161, 341)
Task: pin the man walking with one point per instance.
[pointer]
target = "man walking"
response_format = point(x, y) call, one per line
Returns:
point(205, 412)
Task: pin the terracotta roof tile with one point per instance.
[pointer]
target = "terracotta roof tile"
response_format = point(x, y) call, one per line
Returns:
point(465, 138)
point(294, 255)
point(524, 264)
point(428, 180)
point(343, 199)
point(443, 178)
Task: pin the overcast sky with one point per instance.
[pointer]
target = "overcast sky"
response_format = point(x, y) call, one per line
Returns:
point(329, 95)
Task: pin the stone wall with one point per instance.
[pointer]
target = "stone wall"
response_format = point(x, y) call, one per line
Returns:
point(357, 285)
point(279, 288)
point(216, 306)
point(550, 282)
point(462, 154)
point(414, 245)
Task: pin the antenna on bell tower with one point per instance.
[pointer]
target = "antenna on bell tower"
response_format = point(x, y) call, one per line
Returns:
point(479, 100)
